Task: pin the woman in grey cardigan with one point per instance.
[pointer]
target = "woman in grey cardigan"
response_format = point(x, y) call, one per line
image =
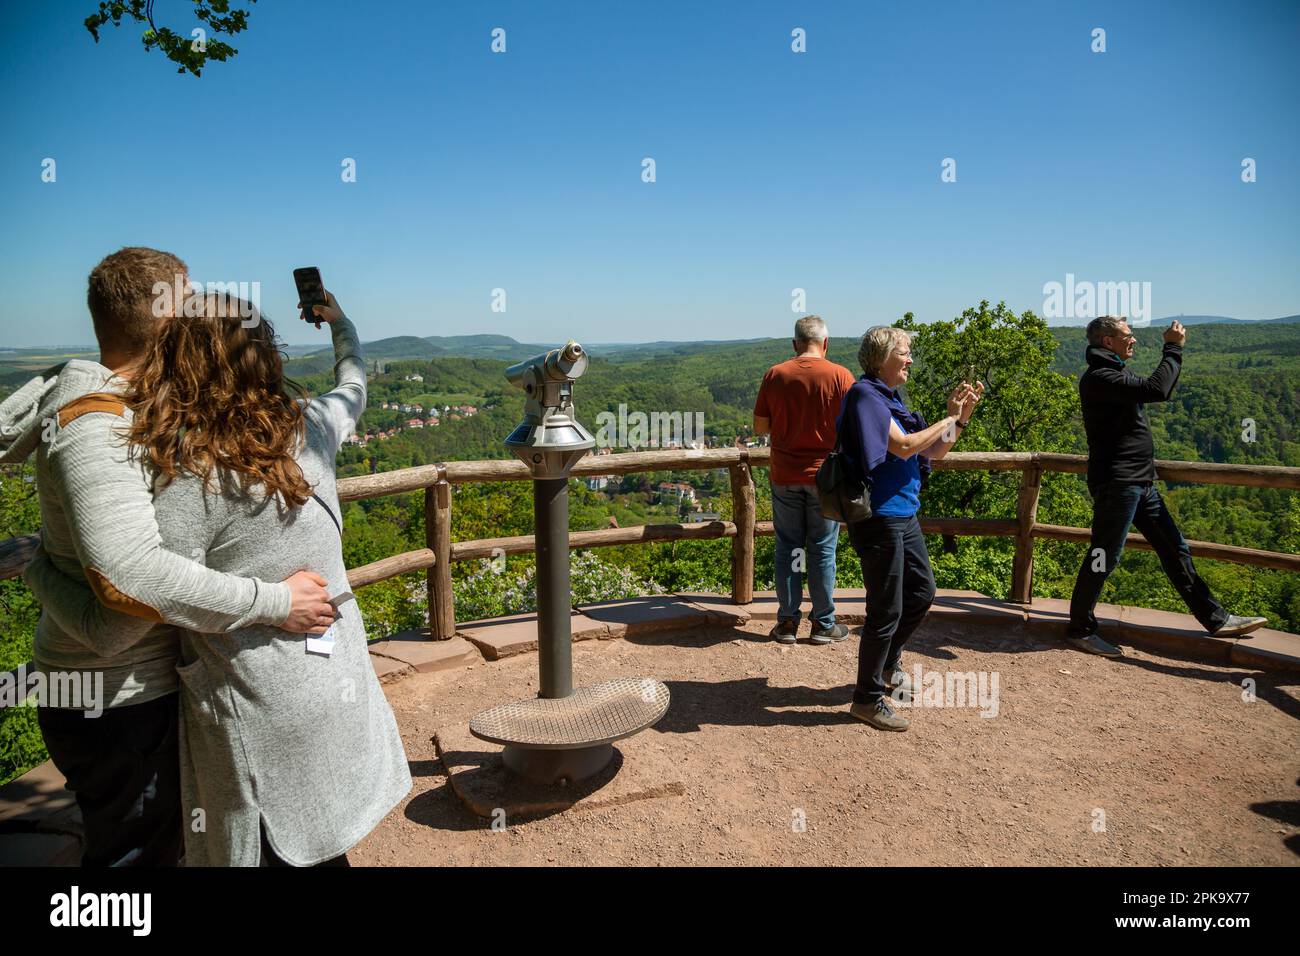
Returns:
point(289, 750)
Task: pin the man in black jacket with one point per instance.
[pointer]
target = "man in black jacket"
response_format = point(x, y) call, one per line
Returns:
point(1121, 478)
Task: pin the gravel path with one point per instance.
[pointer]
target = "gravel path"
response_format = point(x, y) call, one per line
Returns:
point(1146, 761)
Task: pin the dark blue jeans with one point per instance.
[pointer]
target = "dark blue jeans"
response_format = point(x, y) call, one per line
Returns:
point(900, 589)
point(1115, 506)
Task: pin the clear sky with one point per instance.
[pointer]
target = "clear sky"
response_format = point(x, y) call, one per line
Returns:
point(775, 170)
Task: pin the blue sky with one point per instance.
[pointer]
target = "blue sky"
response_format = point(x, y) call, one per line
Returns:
point(775, 170)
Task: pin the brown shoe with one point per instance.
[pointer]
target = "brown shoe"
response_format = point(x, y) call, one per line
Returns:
point(879, 715)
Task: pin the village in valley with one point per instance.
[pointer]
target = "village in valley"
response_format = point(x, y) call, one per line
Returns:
point(399, 406)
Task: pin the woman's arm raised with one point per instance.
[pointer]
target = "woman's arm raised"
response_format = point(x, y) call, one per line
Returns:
point(341, 407)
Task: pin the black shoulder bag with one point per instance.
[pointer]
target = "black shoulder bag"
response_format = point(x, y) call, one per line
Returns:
point(844, 496)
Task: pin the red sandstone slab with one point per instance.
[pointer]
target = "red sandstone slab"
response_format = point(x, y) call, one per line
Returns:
point(720, 607)
point(39, 849)
point(850, 606)
point(415, 648)
point(1268, 649)
point(498, 637)
point(39, 804)
point(1055, 613)
point(389, 670)
point(38, 794)
point(647, 615)
point(972, 605)
point(764, 606)
point(1179, 635)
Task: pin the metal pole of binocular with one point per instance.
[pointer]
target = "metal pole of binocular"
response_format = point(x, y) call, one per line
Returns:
point(554, 627)
point(561, 735)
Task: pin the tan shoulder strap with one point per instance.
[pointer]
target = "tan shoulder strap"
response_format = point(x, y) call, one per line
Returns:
point(92, 402)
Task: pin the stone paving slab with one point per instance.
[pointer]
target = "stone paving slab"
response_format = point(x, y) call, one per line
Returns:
point(642, 769)
point(39, 849)
point(1177, 635)
point(43, 820)
point(720, 608)
point(1055, 613)
point(764, 606)
point(971, 605)
point(850, 606)
point(389, 670)
point(40, 792)
point(1268, 649)
point(500, 637)
point(647, 615)
point(416, 649)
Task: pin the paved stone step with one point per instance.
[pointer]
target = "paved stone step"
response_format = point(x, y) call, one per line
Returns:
point(499, 637)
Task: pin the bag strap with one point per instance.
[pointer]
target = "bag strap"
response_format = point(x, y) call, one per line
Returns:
point(91, 402)
point(329, 511)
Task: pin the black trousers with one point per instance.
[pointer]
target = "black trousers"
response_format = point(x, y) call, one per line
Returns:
point(1115, 506)
point(900, 589)
point(124, 768)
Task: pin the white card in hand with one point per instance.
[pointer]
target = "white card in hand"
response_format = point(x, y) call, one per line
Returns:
point(323, 644)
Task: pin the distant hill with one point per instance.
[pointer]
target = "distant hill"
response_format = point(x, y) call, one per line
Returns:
point(1194, 320)
point(1218, 319)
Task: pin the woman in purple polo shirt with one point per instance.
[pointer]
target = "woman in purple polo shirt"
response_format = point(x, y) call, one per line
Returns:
point(892, 447)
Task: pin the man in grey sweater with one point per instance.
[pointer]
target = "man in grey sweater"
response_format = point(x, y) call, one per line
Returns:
point(98, 526)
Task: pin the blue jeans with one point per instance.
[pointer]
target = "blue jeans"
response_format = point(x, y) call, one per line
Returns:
point(797, 515)
point(1115, 506)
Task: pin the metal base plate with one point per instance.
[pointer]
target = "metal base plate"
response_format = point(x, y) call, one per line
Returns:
point(558, 766)
point(589, 717)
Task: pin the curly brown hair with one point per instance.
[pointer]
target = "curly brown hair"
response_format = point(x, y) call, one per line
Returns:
point(211, 396)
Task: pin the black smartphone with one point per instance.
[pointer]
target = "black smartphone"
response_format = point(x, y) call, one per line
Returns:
point(311, 291)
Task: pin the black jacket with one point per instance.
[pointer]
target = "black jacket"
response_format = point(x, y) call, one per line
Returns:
point(1114, 416)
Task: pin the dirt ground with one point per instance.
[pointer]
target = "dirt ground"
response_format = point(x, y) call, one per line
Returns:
point(1144, 761)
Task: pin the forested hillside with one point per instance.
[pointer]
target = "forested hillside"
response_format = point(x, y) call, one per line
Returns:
point(1238, 400)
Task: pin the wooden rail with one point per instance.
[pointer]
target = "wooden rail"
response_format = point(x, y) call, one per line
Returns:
point(436, 480)
point(743, 528)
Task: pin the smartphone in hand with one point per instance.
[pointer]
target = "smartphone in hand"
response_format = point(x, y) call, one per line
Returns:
point(311, 290)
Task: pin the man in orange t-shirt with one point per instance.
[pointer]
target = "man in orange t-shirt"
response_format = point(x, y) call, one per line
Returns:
point(798, 403)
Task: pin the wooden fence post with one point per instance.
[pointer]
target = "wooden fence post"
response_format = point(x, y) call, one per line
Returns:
point(1022, 568)
point(437, 533)
point(742, 545)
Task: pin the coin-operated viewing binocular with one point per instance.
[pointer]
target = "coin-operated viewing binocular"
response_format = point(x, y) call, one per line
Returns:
point(562, 735)
point(550, 439)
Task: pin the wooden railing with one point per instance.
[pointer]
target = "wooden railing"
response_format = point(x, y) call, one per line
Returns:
point(436, 557)
point(440, 551)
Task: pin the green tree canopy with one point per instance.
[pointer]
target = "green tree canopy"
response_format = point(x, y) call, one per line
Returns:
point(191, 49)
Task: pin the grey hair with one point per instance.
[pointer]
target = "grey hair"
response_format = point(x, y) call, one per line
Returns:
point(878, 344)
point(810, 328)
point(1102, 326)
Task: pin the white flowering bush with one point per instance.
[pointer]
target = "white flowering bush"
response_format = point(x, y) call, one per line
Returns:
point(491, 590)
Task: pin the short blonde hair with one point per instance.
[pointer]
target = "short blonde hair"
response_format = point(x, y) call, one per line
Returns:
point(878, 344)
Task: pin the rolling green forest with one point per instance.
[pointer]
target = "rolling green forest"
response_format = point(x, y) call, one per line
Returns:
point(1238, 401)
